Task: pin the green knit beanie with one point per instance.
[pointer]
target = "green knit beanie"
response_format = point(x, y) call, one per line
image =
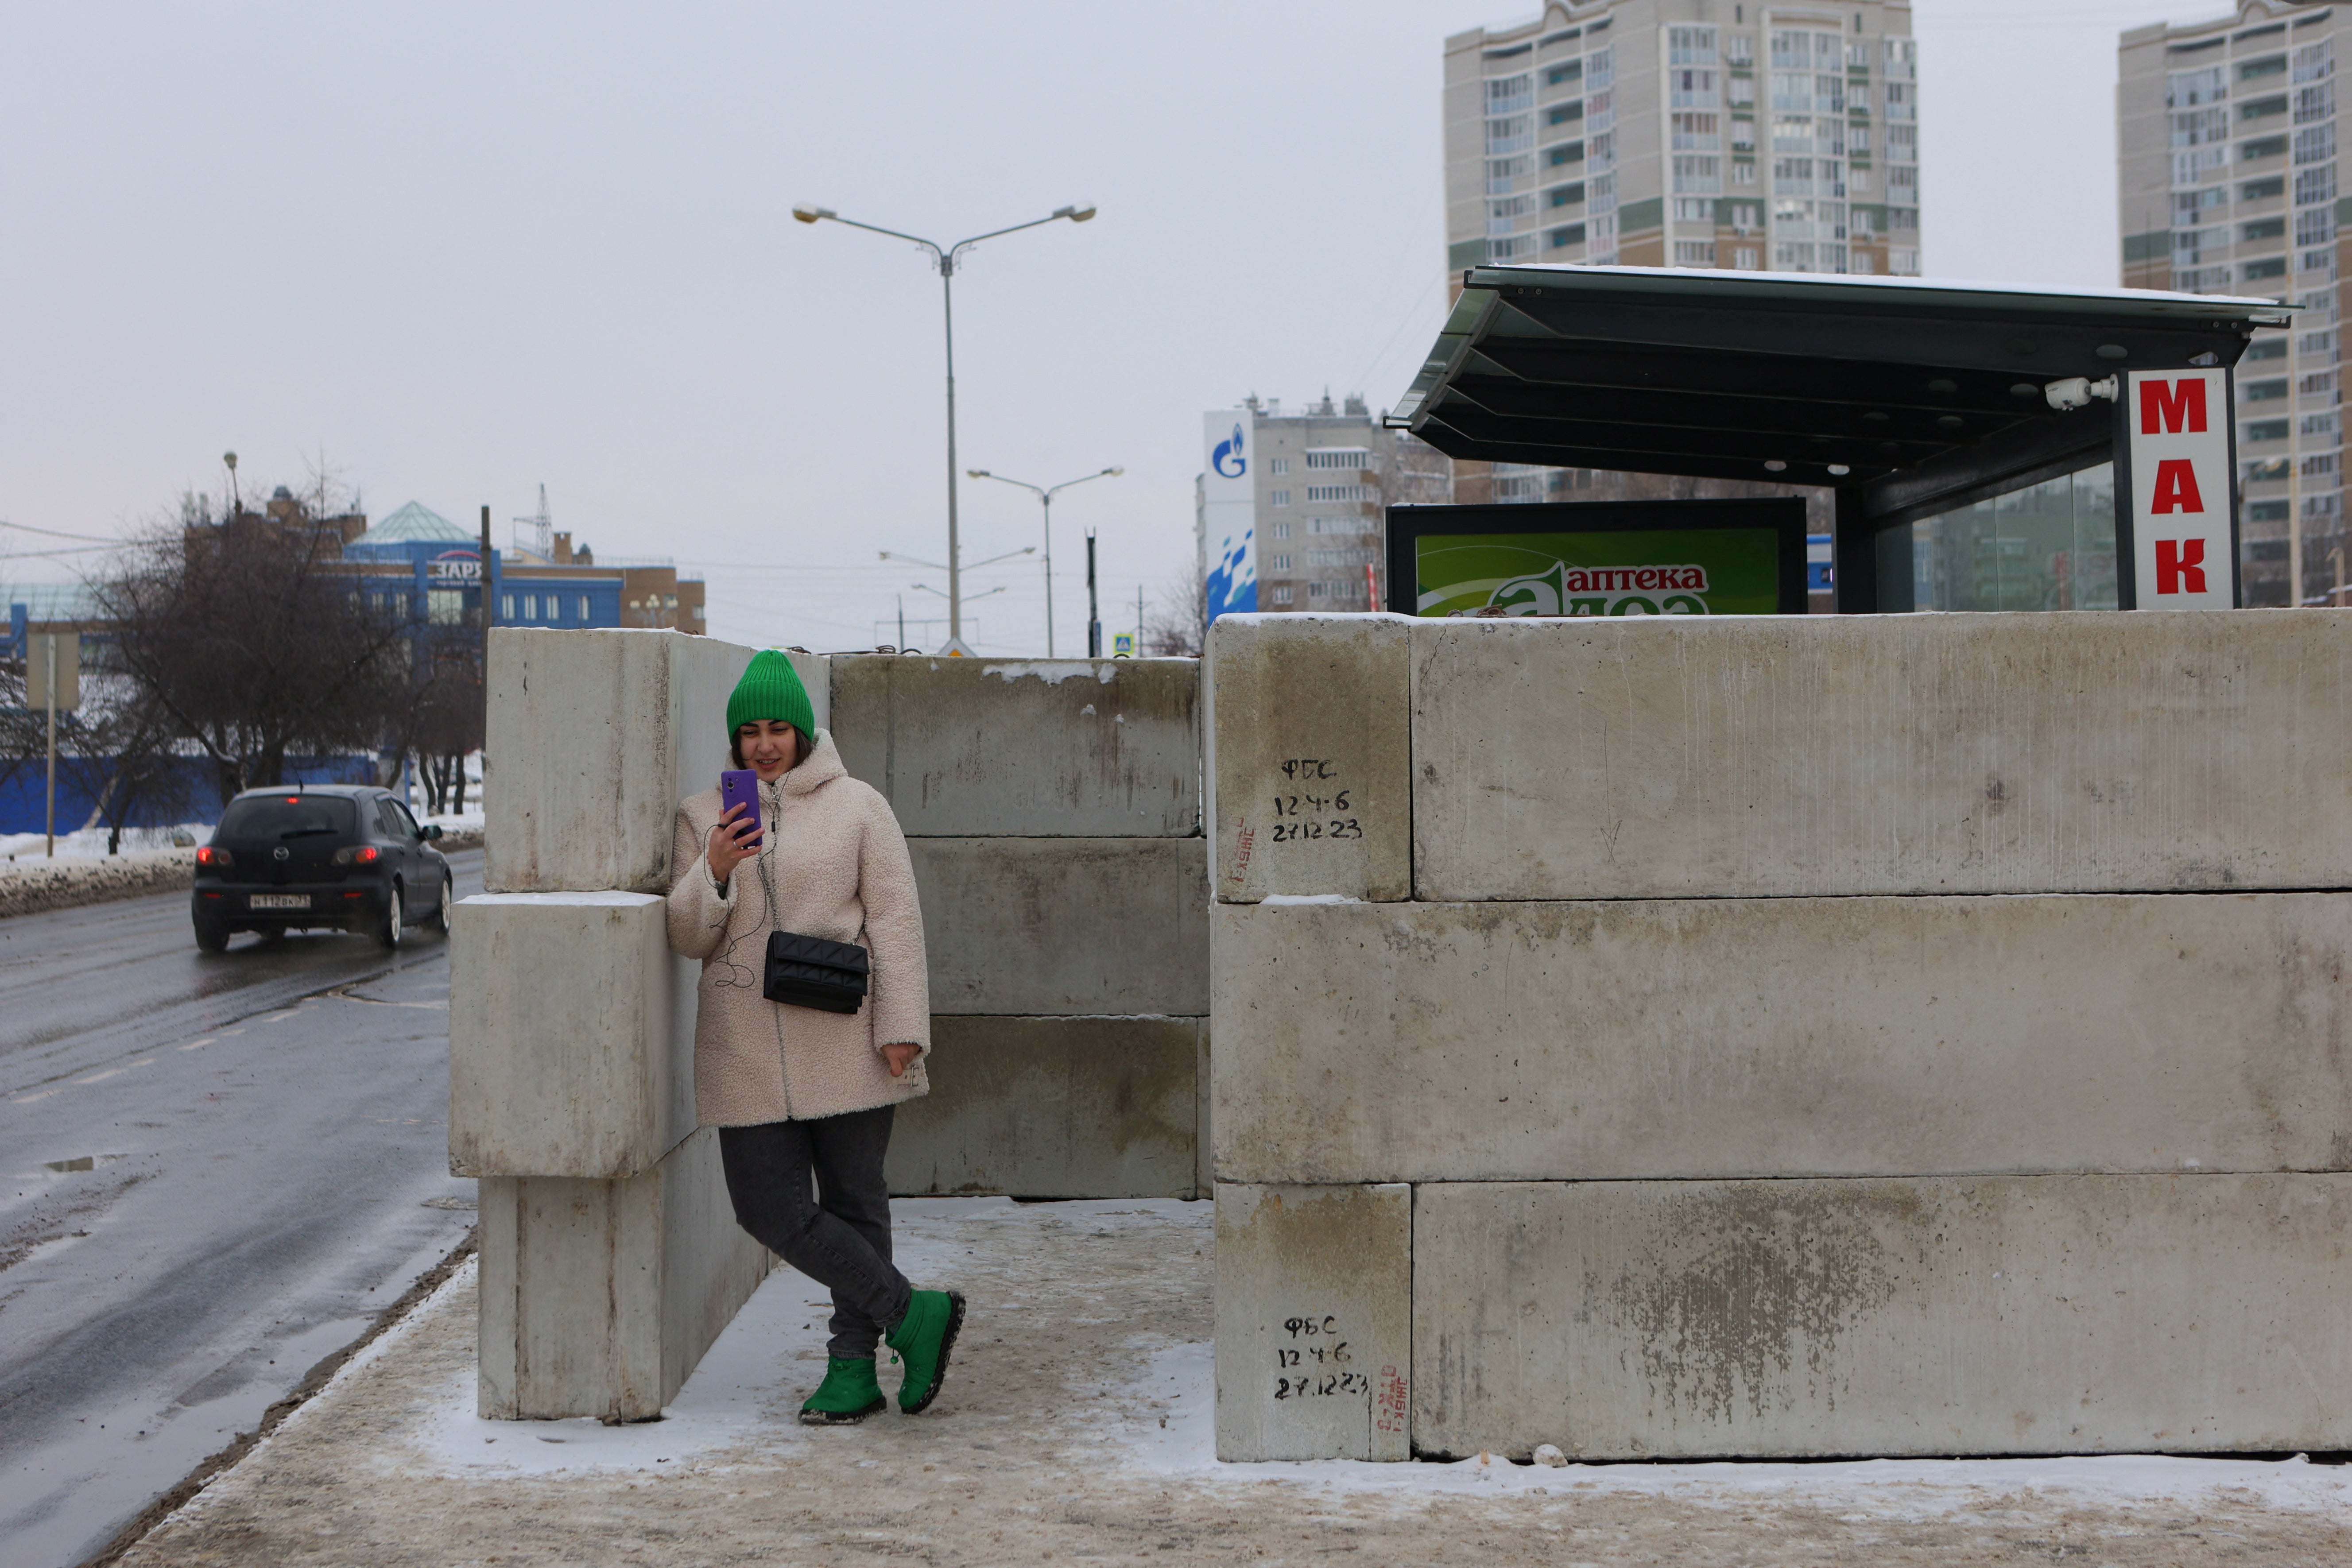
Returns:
point(770, 688)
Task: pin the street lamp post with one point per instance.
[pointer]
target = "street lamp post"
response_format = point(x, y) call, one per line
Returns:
point(1046, 496)
point(944, 257)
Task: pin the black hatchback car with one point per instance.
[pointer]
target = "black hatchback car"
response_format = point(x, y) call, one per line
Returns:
point(320, 857)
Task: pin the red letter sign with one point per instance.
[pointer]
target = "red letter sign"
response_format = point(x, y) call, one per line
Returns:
point(2176, 488)
point(2166, 407)
point(2176, 492)
point(2179, 565)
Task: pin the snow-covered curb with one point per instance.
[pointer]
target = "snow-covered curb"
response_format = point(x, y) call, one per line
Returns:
point(32, 886)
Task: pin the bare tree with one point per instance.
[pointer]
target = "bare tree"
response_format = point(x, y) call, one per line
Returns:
point(246, 637)
point(1178, 624)
point(121, 751)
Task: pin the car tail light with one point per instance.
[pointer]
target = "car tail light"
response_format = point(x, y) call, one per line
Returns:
point(357, 855)
point(218, 858)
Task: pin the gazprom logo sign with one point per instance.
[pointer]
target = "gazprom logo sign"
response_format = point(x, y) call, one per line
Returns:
point(1229, 459)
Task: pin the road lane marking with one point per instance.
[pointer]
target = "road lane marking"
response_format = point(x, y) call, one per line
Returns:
point(100, 1076)
point(198, 1044)
point(28, 1098)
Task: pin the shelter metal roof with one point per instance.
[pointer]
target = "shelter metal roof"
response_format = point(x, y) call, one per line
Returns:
point(1915, 394)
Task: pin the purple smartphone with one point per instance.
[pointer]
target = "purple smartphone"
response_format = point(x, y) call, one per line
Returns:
point(740, 786)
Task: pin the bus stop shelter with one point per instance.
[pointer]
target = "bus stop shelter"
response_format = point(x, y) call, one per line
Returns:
point(1907, 397)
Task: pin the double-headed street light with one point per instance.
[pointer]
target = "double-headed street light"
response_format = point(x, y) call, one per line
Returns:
point(1046, 496)
point(944, 257)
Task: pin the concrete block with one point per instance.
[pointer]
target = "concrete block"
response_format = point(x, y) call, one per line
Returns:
point(1811, 1319)
point(598, 1298)
point(1053, 1108)
point(571, 1036)
point(1782, 1038)
point(1311, 755)
point(1066, 925)
point(1684, 756)
point(602, 734)
point(1043, 748)
point(1314, 1322)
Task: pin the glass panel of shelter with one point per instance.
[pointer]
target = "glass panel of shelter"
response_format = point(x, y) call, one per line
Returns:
point(2050, 546)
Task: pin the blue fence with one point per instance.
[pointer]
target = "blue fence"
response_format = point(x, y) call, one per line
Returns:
point(23, 793)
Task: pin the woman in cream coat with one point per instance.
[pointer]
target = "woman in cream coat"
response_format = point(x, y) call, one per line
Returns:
point(796, 1092)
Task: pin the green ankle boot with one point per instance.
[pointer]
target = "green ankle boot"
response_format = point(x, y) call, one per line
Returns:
point(847, 1395)
point(923, 1338)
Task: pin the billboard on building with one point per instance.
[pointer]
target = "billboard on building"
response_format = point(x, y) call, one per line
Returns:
point(1738, 557)
point(1229, 512)
point(2175, 500)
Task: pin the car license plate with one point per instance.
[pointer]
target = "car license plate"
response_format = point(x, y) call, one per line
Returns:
point(279, 901)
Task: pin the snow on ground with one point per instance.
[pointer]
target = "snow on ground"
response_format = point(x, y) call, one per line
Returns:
point(90, 844)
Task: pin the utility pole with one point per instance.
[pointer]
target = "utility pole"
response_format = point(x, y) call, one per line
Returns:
point(1139, 620)
point(902, 623)
point(50, 643)
point(488, 620)
point(946, 257)
point(1046, 494)
point(1094, 614)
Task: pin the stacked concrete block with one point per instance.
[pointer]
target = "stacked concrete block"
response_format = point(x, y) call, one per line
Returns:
point(1896, 1034)
point(610, 1256)
point(1053, 813)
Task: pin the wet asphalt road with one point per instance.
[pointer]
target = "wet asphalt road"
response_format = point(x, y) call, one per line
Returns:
point(213, 1169)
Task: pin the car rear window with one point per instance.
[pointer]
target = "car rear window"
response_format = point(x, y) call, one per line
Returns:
point(287, 817)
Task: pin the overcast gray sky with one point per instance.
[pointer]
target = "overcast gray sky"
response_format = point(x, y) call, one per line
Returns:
point(464, 250)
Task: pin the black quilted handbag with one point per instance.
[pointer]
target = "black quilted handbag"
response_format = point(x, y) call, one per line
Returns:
point(810, 972)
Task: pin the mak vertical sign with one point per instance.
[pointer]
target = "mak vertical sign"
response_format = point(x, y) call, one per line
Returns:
point(2176, 497)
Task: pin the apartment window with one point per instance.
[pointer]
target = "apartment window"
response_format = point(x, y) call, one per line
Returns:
point(2309, 344)
point(2316, 225)
point(1690, 46)
point(2314, 103)
point(1903, 220)
point(2189, 246)
point(2311, 185)
point(1603, 151)
point(1740, 91)
point(1692, 90)
point(1335, 525)
point(1571, 234)
point(1807, 51)
point(1280, 562)
point(506, 607)
point(2268, 266)
point(1743, 216)
point(1743, 174)
point(1279, 530)
point(1567, 152)
point(1697, 133)
point(1339, 458)
point(2317, 508)
point(2269, 391)
point(1571, 71)
point(1600, 110)
point(2261, 108)
point(2315, 308)
point(2264, 228)
point(1902, 143)
point(1357, 557)
point(1503, 174)
point(2269, 511)
point(1902, 57)
point(1746, 259)
point(1693, 253)
point(1278, 466)
point(1902, 183)
point(2203, 280)
point(1861, 263)
point(1694, 209)
point(2317, 265)
point(2316, 383)
point(2248, 152)
point(2186, 89)
point(1516, 134)
point(1792, 256)
point(1599, 69)
point(1739, 49)
point(1792, 133)
point(1693, 173)
point(1278, 497)
point(1600, 193)
point(1503, 212)
point(2312, 62)
point(1510, 95)
point(1565, 113)
point(2197, 127)
point(2266, 469)
point(531, 606)
point(584, 606)
point(1857, 140)
point(1905, 262)
point(2315, 145)
point(2266, 430)
point(2263, 348)
point(1793, 175)
point(1861, 181)
point(1337, 492)
point(1282, 593)
point(1568, 195)
point(1793, 91)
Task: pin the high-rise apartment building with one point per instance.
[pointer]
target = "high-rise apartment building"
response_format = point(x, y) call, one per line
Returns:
point(2227, 142)
point(1686, 133)
point(1680, 133)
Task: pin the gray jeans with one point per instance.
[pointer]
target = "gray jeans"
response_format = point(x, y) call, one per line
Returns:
point(840, 1237)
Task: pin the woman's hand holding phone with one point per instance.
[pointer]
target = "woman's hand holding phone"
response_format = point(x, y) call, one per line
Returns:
point(735, 840)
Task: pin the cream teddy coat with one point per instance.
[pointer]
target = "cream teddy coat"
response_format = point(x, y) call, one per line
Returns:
point(839, 866)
